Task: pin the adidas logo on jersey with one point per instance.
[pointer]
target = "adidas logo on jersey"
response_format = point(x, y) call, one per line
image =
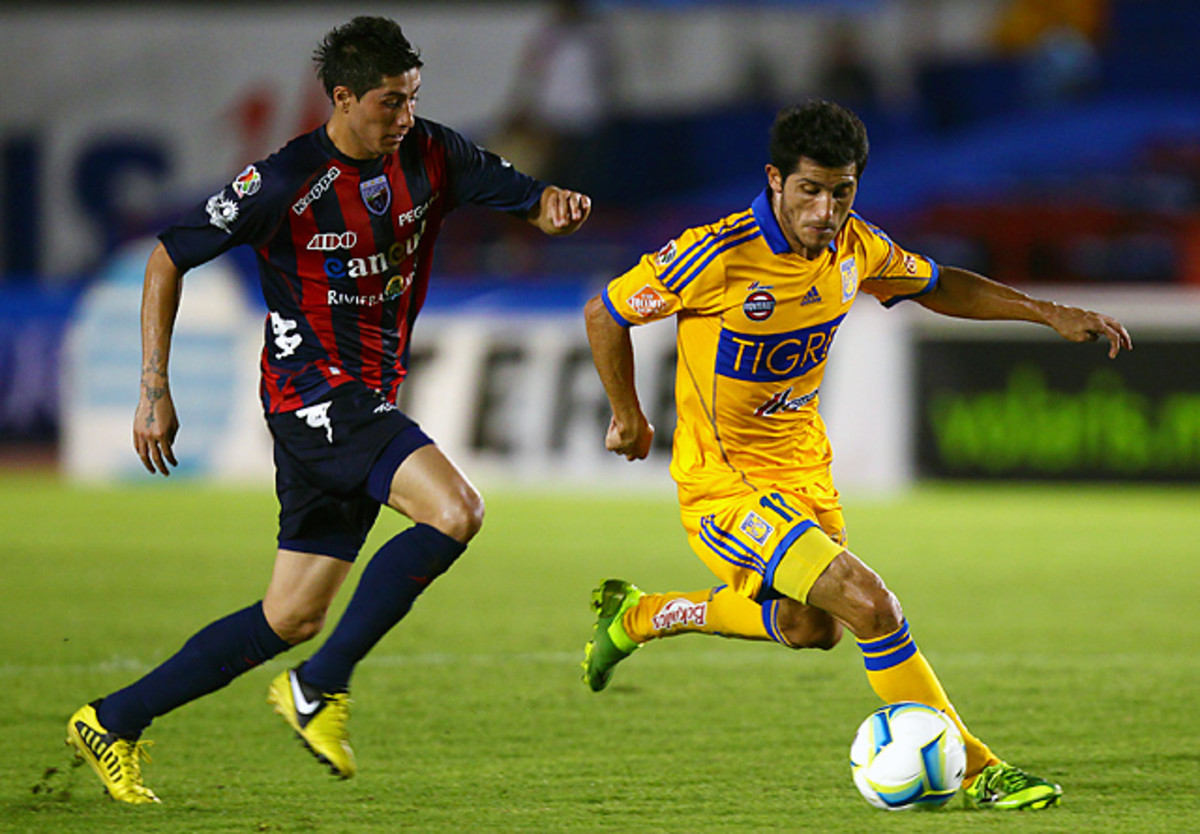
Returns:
point(811, 297)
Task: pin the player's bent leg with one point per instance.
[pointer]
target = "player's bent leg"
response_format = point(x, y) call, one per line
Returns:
point(422, 483)
point(896, 668)
point(116, 760)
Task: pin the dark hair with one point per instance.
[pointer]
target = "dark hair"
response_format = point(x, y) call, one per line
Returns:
point(824, 131)
point(360, 54)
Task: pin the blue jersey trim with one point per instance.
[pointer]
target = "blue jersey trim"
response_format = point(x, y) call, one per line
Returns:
point(887, 642)
point(612, 311)
point(929, 287)
point(730, 244)
point(684, 264)
point(728, 548)
point(782, 548)
point(765, 216)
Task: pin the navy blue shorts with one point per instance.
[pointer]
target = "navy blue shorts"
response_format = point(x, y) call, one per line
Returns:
point(334, 462)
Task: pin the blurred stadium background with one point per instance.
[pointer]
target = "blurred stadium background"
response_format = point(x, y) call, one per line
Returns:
point(1053, 145)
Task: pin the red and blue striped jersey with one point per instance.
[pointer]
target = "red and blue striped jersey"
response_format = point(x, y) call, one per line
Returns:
point(344, 250)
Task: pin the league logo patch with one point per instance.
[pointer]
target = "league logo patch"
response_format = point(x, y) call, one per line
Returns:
point(759, 305)
point(222, 211)
point(376, 194)
point(646, 301)
point(247, 182)
point(910, 264)
point(666, 254)
point(756, 527)
point(849, 279)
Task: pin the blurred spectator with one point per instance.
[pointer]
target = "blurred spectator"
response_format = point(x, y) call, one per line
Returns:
point(1057, 42)
point(561, 99)
point(847, 77)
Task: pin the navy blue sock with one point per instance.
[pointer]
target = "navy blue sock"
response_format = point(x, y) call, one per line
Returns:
point(392, 580)
point(212, 658)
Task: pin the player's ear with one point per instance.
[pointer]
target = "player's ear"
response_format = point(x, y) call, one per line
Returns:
point(343, 97)
point(774, 179)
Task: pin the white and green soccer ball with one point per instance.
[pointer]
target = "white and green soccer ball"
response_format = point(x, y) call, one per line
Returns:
point(907, 755)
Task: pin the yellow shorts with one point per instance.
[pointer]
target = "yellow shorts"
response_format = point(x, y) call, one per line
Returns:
point(743, 540)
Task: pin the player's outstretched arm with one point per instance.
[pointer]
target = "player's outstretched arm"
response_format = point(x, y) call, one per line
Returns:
point(560, 211)
point(965, 294)
point(154, 423)
point(629, 432)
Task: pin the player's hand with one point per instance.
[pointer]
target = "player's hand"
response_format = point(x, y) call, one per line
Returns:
point(1077, 325)
point(632, 439)
point(154, 428)
point(561, 211)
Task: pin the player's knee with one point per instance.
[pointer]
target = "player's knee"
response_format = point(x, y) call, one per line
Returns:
point(462, 517)
point(882, 615)
point(856, 595)
point(809, 628)
point(297, 626)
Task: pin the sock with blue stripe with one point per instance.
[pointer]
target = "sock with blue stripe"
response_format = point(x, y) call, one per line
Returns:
point(212, 658)
point(897, 671)
point(391, 582)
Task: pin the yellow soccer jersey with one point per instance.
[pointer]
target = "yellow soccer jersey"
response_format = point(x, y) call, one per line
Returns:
point(755, 322)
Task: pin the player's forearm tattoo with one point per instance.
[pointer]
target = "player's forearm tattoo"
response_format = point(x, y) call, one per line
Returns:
point(154, 366)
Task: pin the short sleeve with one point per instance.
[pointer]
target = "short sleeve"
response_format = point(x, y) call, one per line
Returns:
point(682, 275)
point(247, 210)
point(894, 274)
point(479, 176)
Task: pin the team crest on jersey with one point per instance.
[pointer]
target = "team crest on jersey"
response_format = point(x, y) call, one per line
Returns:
point(247, 182)
point(759, 305)
point(849, 278)
point(646, 301)
point(666, 254)
point(756, 527)
point(222, 211)
point(377, 194)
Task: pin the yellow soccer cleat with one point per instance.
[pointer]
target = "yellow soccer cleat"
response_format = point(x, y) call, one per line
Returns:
point(116, 760)
point(319, 719)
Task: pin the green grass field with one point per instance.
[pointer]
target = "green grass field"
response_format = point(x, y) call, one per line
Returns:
point(1062, 620)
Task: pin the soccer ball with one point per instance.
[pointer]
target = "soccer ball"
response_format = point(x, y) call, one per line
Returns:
point(907, 755)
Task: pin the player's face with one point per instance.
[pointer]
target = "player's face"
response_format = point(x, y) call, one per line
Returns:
point(812, 203)
point(377, 122)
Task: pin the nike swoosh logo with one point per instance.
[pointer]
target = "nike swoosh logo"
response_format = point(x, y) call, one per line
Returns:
point(303, 705)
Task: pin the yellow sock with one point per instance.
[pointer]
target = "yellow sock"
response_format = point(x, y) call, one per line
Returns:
point(719, 610)
point(897, 671)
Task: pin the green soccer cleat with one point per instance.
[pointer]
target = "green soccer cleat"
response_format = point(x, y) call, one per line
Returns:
point(609, 644)
point(319, 719)
point(116, 760)
point(1005, 787)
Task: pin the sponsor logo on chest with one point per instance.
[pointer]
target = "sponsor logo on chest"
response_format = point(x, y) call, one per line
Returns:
point(772, 357)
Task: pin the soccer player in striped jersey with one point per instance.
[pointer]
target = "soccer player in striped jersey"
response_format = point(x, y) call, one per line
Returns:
point(758, 297)
point(343, 221)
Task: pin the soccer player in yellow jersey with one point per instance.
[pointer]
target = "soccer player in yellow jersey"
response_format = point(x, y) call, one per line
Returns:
point(758, 297)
